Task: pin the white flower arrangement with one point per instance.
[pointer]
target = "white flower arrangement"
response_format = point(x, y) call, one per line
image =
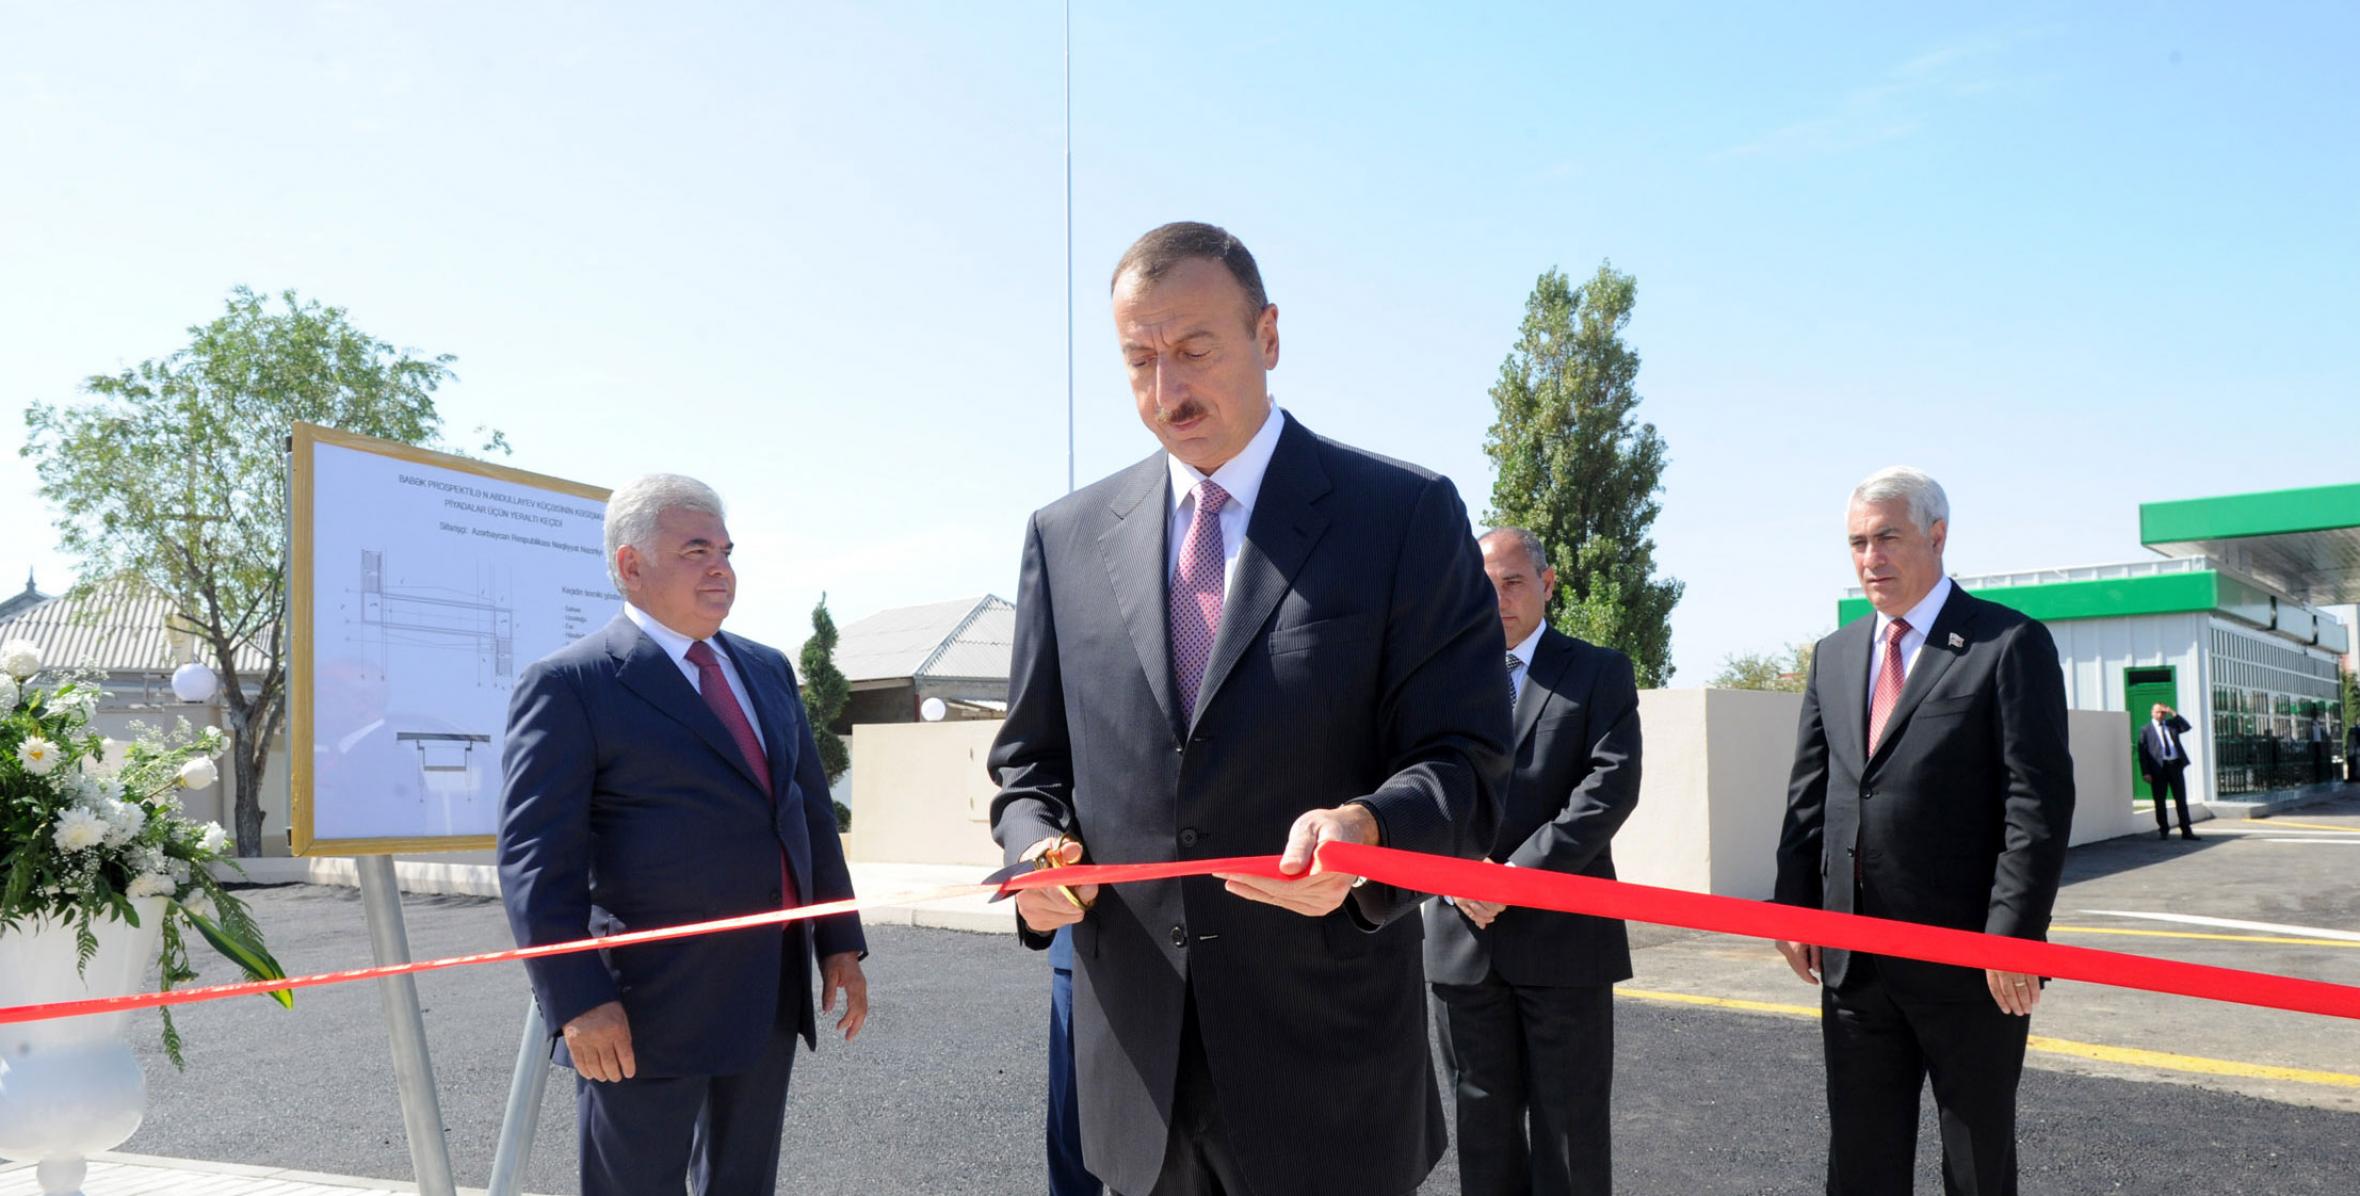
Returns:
point(89, 824)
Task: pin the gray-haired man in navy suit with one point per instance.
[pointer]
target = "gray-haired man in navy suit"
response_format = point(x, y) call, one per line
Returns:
point(661, 772)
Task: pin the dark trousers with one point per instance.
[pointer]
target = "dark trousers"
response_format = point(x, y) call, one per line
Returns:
point(721, 1132)
point(1882, 1048)
point(1532, 1071)
point(2175, 781)
point(1198, 1157)
point(1067, 1175)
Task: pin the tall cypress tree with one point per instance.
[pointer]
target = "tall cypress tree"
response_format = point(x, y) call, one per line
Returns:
point(1579, 470)
point(825, 691)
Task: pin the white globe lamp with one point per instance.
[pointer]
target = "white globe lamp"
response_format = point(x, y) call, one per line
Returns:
point(194, 682)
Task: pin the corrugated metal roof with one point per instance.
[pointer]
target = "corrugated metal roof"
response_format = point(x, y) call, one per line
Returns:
point(118, 627)
point(968, 637)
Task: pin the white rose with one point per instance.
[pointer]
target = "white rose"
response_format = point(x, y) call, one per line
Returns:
point(9, 693)
point(201, 904)
point(20, 658)
point(198, 773)
point(38, 755)
point(150, 884)
point(211, 839)
point(79, 830)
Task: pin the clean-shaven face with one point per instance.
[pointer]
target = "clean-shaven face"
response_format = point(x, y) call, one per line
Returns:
point(685, 578)
point(1523, 594)
point(1898, 563)
point(1199, 360)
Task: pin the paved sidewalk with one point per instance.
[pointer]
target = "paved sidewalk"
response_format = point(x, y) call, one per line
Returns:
point(145, 1175)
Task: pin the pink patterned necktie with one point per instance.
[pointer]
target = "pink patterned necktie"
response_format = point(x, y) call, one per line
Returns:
point(1889, 679)
point(1195, 602)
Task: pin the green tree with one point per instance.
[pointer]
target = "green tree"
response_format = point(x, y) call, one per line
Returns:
point(825, 694)
point(1785, 672)
point(175, 476)
point(1578, 469)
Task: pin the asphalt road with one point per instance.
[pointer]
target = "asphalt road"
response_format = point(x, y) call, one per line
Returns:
point(942, 1094)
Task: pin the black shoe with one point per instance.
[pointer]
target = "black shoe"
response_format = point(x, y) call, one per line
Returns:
point(2163, 832)
point(2185, 833)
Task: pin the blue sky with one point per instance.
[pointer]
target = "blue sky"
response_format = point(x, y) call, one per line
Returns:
point(2067, 258)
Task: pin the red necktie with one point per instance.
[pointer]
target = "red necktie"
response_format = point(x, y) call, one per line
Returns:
point(1889, 678)
point(713, 686)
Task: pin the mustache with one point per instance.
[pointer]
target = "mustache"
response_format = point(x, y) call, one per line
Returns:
point(1191, 409)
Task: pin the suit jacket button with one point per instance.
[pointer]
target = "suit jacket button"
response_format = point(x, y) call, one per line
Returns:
point(1188, 836)
point(1865, 794)
point(1180, 936)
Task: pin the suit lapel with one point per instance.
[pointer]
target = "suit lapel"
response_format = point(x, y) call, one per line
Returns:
point(1933, 660)
point(1550, 658)
point(646, 670)
point(779, 741)
point(1284, 526)
point(1845, 716)
point(1135, 551)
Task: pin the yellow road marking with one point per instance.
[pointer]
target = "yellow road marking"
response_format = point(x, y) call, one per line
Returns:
point(1718, 1002)
point(2132, 1056)
point(2195, 934)
point(2309, 826)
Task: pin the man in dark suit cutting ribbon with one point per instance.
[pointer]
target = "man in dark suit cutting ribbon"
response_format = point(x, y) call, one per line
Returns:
point(661, 772)
point(1932, 783)
point(1254, 640)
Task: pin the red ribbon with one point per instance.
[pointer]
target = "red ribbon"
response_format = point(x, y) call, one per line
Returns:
point(1417, 872)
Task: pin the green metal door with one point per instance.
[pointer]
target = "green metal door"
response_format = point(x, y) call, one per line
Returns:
point(2142, 688)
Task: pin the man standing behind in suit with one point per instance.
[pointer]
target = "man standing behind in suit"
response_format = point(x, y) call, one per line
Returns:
point(661, 772)
point(1525, 996)
point(1932, 784)
point(1254, 640)
point(2165, 765)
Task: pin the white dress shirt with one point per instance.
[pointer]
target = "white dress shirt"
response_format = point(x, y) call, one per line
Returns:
point(1921, 620)
point(1523, 653)
point(2163, 736)
point(1241, 476)
point(676, 646)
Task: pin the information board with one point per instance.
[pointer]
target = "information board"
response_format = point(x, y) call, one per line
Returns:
point(419, 585)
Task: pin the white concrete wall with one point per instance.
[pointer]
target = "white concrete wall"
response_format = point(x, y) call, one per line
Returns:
point(921, 795)
point(1669, 839)
point(1712, 790)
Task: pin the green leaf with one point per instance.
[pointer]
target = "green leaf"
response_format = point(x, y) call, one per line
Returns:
point(248, 954)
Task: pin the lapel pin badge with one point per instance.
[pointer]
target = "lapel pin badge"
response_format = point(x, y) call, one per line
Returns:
point(1957, 640)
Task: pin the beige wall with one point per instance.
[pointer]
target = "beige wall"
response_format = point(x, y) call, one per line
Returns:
point(920, 794)
point(1712, 790)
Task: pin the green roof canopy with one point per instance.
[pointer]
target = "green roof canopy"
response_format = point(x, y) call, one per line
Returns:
point(2305, 542)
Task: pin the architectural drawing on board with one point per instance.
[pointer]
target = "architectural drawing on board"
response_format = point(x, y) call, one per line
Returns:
point(394, 705)
point(436, 617)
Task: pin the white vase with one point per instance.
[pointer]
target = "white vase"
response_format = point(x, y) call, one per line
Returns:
point(71, 1087)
